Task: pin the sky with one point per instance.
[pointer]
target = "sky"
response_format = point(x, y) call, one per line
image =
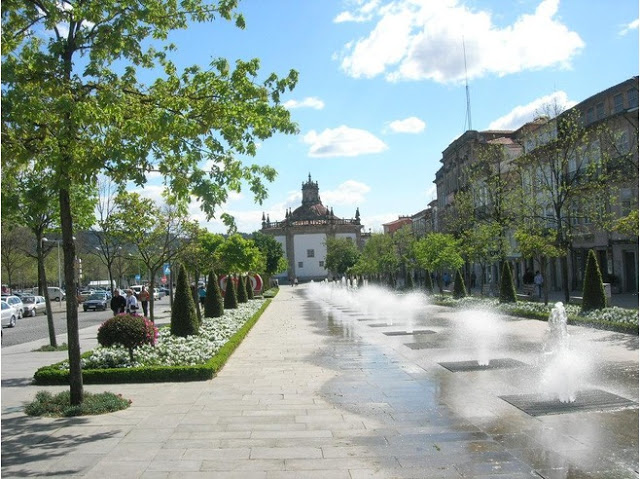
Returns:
point(381, 91)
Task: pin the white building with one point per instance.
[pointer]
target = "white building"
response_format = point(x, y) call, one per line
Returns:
point(304, 231)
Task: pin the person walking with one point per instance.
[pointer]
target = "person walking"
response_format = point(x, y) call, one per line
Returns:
point(132, 302)
point(118, 302)
point(538, 281)
point(144, 299)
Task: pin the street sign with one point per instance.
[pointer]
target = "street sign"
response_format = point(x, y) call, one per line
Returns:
point(137, 278)
point(166, 269)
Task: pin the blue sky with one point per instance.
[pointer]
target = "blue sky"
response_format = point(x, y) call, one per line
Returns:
point(381, 91)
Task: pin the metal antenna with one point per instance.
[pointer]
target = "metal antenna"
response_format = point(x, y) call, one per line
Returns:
point(466, 82)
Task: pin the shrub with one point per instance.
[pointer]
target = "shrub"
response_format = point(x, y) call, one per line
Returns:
point(507, 289)
point(242, 290)
point(409, 281)
point(230, 295)
point(128, 331)
point(213, 305)
point(45, 404)
point(184, 319)
point(249, 287)
point(593, 295)
point(459, 289)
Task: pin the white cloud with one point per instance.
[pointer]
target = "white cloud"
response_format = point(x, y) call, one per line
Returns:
point(342, 141)
point(408, 125)
point(363, 12)
point(309, 102)
point(629, 27)
point(350, 193)
point(522, 114)
point(422, 40)
point(375, 222)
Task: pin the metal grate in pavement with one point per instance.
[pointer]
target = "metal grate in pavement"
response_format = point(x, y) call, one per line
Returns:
point(463, 366)
point(588, 400)
point(412, 333)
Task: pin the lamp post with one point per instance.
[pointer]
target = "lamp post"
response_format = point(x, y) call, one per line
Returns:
point(59, 270)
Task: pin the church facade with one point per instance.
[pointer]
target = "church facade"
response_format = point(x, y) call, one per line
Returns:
point(304, 231)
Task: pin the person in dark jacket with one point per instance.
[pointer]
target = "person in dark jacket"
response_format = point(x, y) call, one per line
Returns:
point(118, 303)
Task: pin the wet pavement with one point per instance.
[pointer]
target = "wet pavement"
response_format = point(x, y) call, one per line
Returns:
point(319, 390)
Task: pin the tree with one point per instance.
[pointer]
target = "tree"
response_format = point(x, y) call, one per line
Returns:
point(213, 302)
point(507, 289)
point(403, 241)
point(593, 295)
point(558, 175)
point(342, 254)
point(158, 233)
point(238, 255)
point(184, 321)
point(438, 251)
point(274, 258)
point(378, 258)
point(74, 104)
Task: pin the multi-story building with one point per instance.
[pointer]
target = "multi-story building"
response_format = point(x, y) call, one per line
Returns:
point(610, 122)
point(393, 226)
point(304, 231)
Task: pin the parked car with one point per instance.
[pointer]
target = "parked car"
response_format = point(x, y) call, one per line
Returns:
point(84, 295)
point(96, 301)
point(56, 294)
point(16, 303)
point(34, 305)
point(9, 316)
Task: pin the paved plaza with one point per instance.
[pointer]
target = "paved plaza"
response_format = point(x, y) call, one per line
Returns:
point(323, 390)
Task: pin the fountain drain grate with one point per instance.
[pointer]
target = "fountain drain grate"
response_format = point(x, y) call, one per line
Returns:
point(464, 366)
point(588, 400)
point(412, 333)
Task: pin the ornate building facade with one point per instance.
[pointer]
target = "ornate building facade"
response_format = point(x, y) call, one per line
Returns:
point(304, 231)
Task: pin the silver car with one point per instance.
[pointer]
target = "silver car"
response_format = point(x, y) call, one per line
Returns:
point(34, 305)
point(9, 316)
point(16, 303)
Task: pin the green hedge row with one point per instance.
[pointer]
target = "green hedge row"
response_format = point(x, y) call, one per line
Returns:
point(53, 375)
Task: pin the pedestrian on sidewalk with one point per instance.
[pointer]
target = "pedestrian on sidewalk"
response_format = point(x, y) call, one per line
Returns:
point(538, 281)
point(132, 302)
point(118, 302)
point(144, 299)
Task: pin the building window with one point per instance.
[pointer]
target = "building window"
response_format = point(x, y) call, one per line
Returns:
point(600, 111)
point(632, 97)
point(299, 264)
point(618, 103)
point(321, 264)
point(311, 253)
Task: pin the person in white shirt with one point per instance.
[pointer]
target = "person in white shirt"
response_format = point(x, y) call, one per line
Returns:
point(132, 302)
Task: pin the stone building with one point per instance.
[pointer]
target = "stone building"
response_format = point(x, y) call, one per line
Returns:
point(304, 231)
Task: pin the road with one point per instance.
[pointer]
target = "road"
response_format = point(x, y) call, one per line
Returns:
point(33, 328)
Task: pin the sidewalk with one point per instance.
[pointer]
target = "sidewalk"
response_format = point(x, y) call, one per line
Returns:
point(315, 395)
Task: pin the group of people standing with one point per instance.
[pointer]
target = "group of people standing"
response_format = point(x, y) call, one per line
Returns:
point(129, 304)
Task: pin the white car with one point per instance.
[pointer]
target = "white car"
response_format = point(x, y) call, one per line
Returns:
point(16, 303)
point(9, 316)
point(34, 305)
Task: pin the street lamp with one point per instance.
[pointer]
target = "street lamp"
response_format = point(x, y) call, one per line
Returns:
point(59, 270)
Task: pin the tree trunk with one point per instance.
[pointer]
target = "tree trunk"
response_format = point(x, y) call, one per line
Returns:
point(73, 335)
point(44, 291)
point(564, 267)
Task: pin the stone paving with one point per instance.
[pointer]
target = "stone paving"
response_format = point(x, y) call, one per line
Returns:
point(314, 391)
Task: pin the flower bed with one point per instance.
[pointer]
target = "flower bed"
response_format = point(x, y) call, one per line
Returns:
point(614, 318)
point(194, 358)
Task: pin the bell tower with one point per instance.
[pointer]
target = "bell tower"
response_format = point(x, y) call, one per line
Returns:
point(310, 192)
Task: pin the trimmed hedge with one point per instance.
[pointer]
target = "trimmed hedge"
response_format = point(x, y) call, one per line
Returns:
point(53, 375)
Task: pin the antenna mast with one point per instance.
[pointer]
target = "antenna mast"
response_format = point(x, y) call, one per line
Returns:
point(466, 83)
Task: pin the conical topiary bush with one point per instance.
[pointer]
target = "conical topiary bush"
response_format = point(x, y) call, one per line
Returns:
point(593, 295)
point(184, 319)
point(213, 302)
point(249, 287)
point(507, 289)
point(242, 290)
point(230, 295)
point(459, 289)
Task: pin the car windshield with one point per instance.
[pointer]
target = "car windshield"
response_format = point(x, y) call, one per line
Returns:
point(29, 299)
point(97, 296)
